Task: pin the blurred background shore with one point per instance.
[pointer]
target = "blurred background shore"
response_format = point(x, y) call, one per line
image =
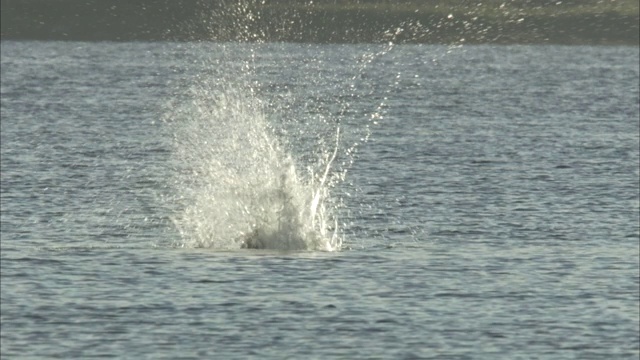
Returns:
point(590, 22)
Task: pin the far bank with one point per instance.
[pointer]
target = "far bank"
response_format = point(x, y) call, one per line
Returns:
point(519, 22)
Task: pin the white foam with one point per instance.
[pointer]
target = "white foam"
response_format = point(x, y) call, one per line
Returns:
point(237, 184)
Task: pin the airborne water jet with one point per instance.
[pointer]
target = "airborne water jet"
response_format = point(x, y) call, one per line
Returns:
point(239, 182)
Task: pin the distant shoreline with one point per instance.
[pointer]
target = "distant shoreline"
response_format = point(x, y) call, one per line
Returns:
point(329, 21)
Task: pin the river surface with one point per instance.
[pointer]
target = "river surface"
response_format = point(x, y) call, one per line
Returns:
point(487, 201)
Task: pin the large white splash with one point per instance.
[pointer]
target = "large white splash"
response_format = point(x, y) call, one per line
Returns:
point(237, 184)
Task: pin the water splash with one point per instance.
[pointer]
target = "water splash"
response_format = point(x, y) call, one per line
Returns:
point(241, 180)
point(238, 184)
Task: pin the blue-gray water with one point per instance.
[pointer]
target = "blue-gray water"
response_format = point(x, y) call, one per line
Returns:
point(493, 213)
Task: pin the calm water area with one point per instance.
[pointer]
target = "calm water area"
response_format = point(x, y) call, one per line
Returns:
point(490, 209)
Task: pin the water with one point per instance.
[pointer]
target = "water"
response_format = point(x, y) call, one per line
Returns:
point(482, 202)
